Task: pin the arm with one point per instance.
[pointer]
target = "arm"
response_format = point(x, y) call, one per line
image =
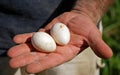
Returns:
point(94, 9)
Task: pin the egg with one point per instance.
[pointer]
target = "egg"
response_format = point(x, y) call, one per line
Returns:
point(43, 42)
point(60, 33)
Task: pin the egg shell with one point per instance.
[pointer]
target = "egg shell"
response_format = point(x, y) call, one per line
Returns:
point(43, 42)
point(60, 33)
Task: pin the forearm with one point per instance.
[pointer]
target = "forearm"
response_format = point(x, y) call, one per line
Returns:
point(92, 8)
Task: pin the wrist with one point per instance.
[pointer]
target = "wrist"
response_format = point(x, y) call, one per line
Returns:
point(94, 9)
point(92, 14)
point(95, 17)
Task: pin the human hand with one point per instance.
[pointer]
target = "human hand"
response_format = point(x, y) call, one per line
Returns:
point(84, 33)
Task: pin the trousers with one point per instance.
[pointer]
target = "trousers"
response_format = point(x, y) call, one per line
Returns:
point(86, 63)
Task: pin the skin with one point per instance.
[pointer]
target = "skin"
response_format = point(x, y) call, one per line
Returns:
point(83, 31)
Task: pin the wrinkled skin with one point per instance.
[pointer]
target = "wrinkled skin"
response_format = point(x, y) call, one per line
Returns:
point(84, 33)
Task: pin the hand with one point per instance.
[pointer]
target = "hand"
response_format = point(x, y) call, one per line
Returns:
point(84, 33)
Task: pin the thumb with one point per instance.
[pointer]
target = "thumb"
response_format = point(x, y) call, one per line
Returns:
point(100, 48)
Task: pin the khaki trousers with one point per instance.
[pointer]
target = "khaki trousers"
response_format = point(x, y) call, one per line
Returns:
point(86, 63)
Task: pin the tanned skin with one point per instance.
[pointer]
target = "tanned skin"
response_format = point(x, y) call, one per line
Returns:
point(81, 21)
point(95, 9)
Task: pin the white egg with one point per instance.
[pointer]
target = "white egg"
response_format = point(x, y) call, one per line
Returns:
point(43, 42)
point(60, 33)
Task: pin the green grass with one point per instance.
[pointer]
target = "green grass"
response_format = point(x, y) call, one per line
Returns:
point(111, 35)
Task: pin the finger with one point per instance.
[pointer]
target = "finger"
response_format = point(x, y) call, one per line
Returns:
point(19, 49)
point(45, 63)
point(76, 40)
point(25, 59)
point(64, 20)
point(42, 29)
point(49, 25)
point(53, 59)
point(99, 46)
point(22, 38)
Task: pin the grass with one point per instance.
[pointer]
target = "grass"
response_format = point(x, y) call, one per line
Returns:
point(111, 35)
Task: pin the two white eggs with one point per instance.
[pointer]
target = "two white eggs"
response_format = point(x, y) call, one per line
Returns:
point(59, 34)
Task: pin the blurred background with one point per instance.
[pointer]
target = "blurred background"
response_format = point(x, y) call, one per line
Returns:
point(111, 35)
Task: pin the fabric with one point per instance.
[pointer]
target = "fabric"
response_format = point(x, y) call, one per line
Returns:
point(86, 63)
point(22, 16)
point(83, 64)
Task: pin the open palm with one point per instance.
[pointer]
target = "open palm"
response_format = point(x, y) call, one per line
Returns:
point(84, 33)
